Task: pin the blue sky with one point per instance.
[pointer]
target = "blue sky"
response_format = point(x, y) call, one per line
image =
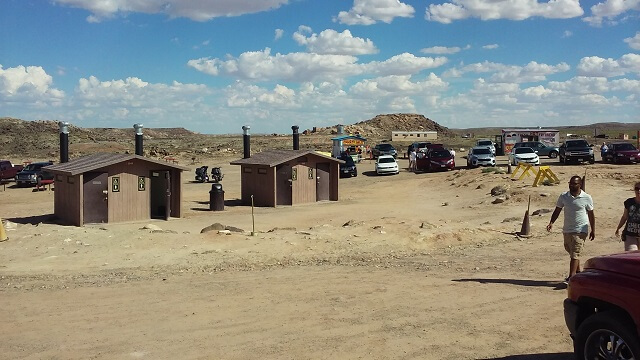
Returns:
point(213, 66)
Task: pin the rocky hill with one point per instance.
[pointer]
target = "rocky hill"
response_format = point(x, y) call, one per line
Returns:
point(381, 126)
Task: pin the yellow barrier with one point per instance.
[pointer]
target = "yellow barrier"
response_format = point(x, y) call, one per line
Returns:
point(526, 168)
point(545, 172)
point(3, 234)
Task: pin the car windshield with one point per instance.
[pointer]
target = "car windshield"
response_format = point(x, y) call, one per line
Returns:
point(485, 143)
point(482, 151)
point(577, 143)
point(523, 150)
point(439, 153)
point(625, 147)
point(422, 145)
point(385, 147)
point(386, 160)
point(348, 161)
point(32, 167)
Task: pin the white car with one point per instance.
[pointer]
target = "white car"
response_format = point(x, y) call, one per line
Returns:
point(480, 156)
point(487, 143)
point(524, 155)
point(386, 164)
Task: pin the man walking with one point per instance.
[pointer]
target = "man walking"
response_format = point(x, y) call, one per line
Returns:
point(578, 217)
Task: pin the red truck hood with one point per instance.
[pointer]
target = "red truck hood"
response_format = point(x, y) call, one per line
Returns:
point(627, 263)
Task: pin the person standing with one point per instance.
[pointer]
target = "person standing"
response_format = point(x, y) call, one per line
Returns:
point(412, 159)
point(631, 216)
point(578, 217)
point(603, 150)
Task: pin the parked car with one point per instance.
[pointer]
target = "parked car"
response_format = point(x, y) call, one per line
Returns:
point(578, 150)
point(602, 308)
point(384, 149)
point(436, 159)
point(348, 169)
point(8, 171)
point(32, 174)
point(487, 143)
point(523, 155)
point(386, 164)
point(621, 152)
point(480, 156)
point(542, 148)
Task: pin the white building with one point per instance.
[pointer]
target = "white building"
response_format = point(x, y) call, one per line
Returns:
point(413, 135)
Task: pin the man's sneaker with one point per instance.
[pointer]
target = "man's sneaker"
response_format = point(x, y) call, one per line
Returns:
point(566, 280)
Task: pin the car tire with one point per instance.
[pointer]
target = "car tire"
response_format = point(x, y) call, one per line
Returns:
point(592, 161)
point(355, 173)
point(595, 333)
point(553, 154)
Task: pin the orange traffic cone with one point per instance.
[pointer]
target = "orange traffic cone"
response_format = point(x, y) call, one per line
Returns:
point(3, 234)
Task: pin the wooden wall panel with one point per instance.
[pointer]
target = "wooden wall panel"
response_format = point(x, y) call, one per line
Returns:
point(261, 186)
point(68, 200)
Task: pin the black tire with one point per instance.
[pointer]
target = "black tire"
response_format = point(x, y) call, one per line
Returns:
point(355, 173)
point(553, 154)
point(595, 334)
point(592, 161)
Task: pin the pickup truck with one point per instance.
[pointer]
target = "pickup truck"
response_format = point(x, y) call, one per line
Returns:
point(32, 174)
point(577, 151)
point(602, 308)
point(8, 171)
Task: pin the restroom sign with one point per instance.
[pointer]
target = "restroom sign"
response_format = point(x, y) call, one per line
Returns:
point(141, 183)
point(115, 184)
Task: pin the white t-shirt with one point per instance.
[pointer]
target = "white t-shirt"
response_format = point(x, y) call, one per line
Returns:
point(575, 208)
point(412, 156)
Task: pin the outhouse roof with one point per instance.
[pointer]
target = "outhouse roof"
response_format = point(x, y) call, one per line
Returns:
point(343, 137)
point(272, 158)
point(100, 160)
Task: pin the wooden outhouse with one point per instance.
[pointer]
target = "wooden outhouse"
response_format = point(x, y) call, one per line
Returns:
point(106, 188)
point(288, 177)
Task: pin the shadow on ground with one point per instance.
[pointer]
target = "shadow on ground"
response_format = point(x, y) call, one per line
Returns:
point(34, 220)
point(554, 356)
point(555, 285)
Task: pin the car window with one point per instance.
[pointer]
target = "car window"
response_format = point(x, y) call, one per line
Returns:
point(576, 143)
point(386, 160)
point(439, 153)
point(485, 143)
point(523, 150)
point(385, 147)
point(482, 151)
point(625, 147)
point(348, 161)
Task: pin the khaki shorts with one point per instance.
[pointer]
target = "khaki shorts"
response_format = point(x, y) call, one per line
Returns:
point(574, 243)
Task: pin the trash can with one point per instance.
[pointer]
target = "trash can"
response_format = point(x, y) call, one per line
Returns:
point(216, 198)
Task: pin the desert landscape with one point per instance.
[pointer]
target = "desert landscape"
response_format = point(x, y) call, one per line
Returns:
point(407, 266)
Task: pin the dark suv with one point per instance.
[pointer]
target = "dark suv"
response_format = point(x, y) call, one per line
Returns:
point(348, 169)
point(602, 308)
point(32, 174)
point(539, 147)
point(577, 151)
point(621, 152)
point(384, 149)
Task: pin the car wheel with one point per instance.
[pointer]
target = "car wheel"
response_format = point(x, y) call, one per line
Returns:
point(553, 154)
point(615, 159)
point(592, 161)
point(606, 336)
point(355, 173)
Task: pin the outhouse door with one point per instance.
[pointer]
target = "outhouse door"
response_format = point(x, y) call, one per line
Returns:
point(95, 190)
point(160, 194)
point(284, 184)
point(322, 181)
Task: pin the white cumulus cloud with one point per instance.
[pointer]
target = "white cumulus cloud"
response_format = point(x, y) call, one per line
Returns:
point(27, 83)
point(597, 66)
point(442, 50)
point(502, 9)
point(332, 42)
point(634, 42)
point(368, 12)
point(194, 10)
point(609, 10)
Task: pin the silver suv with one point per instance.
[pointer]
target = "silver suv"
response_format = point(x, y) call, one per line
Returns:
point(480, 156)
point(486, 143)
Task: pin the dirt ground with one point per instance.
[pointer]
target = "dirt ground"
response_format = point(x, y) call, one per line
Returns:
point(411, 266)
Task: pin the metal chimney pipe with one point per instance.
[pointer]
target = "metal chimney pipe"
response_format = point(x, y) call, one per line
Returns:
point(246, 140)
point(64, 141)
point(296, 137)
point(139, 149)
